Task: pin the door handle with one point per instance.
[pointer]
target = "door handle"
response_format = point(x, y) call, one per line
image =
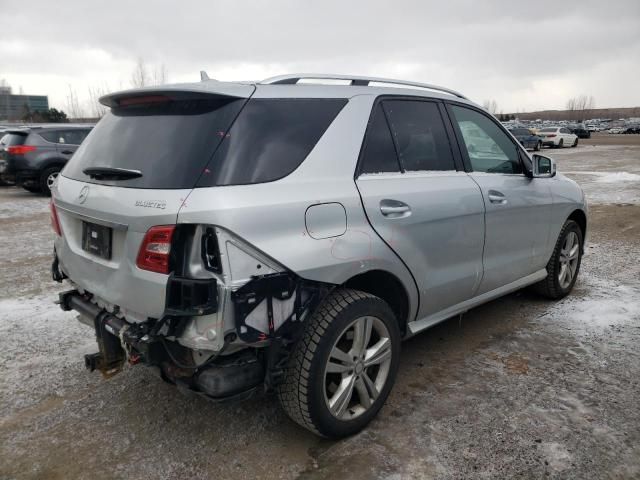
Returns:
point(394, 208)
point(67, 152)
point(497, 197)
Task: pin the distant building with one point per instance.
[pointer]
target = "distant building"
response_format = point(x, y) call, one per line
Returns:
point(15, 107)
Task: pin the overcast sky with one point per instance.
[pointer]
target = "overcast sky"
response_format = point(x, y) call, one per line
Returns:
point(525, 55)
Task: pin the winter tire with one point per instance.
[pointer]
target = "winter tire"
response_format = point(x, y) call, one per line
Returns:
point(342, 370)
point(564, 264)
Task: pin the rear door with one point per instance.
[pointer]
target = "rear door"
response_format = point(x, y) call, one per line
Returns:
point(420, 202)
point(518, 208)
point(166, 139)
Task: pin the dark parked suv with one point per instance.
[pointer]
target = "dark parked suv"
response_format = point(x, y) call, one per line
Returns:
point(33, 156)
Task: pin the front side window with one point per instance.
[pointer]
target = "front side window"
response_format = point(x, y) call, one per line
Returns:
point(489, 148)
point(420, 136)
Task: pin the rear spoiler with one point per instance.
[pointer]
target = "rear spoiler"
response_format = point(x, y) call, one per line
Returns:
point(185, 90)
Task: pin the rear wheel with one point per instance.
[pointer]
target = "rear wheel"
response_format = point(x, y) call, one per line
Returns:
point(48, 178)
point(561, 143)
point(538, 147)
point(575, 144)
point(343, 368)
point(564, 264)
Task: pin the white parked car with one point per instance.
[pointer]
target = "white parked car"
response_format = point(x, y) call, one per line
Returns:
point(558, 137)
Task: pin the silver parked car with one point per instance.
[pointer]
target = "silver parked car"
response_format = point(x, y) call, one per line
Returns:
point(285, 236)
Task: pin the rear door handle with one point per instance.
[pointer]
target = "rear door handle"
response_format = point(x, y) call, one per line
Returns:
point(394, 208)
point(67, 152)
point(497, 197)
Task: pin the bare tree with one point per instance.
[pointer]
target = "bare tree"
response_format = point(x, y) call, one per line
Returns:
point(140, 76)
point(144, 75)
point(96, 109)
point(580, 105)
point(73, 105)
point(490, 106)
point(160, 74)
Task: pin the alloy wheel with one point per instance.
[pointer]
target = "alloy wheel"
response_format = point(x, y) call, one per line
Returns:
point(568, 258)
point(357, 368)
point(51, 179)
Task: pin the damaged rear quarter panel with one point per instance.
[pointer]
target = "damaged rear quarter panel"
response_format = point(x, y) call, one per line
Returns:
point(271, 216)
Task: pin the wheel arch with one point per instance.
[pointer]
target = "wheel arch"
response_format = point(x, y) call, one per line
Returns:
point(580, 218)
point(52, 162)
point(389, 288)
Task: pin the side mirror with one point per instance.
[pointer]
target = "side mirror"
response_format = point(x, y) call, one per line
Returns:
point(543, 167)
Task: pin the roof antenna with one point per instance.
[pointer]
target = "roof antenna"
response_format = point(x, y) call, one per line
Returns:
point(203, 76)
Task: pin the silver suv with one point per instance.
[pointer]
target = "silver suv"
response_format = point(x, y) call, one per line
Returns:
point(286, 235)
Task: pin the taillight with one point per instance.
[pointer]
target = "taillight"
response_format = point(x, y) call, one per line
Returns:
point(20, 149)
point(551, 135)
point(55, 222)
point(155, 249)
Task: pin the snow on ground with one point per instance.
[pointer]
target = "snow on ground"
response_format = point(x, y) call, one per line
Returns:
point(607, 304)
point(25, 204)
point(36, 335)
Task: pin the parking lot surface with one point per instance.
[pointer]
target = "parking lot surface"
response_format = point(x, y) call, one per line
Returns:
point(518, 387)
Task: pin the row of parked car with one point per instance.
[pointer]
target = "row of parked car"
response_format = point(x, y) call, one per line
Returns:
point(554, 137)
point(33, 156)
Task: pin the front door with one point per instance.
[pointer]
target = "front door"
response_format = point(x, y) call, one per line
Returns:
point(518, 208)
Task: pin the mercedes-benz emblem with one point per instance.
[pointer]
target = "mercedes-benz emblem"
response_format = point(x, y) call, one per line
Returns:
point(84, 193)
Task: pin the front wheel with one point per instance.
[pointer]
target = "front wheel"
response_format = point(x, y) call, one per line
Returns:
point(342, 370)
point(575, 144)
point(564, 264)
point(538, 147)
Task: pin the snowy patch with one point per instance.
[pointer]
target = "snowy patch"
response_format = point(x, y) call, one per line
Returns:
point(39, 343)
point(27, 204)
point(610, 177)
point(607, 305)
point(608, 187)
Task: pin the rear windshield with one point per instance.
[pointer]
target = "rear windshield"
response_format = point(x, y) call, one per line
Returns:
point(12, 139)
point(520, 131)
point(169, 142)
point(182, 144)
point(549, 129)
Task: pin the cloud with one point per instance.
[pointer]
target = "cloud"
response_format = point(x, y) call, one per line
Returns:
point(523, 55)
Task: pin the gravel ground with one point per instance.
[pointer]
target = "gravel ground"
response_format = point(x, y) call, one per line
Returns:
point(518, 387)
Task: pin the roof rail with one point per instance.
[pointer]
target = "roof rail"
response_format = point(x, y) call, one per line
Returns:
point(294, 78)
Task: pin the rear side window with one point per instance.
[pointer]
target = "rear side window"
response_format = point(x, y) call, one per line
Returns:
point(489, 148)
point(379, 154)
point(269, 140)
point(68, 137)
point(420, 137)
point(169, 142)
